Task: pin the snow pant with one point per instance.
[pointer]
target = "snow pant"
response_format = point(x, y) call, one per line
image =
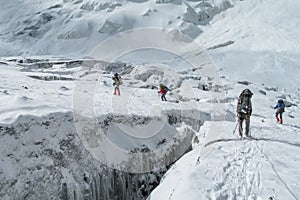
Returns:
point(279, 112)
point(116, 89)
point(163, 97)
point(244, 117)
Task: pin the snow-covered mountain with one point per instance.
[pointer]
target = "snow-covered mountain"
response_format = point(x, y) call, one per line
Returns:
point(74, 27)
point(64, 135)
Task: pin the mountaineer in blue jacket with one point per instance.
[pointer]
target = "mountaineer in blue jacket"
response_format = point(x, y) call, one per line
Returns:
point(279, 110)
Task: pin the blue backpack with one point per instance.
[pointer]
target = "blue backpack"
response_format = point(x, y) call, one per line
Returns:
point(280, 104)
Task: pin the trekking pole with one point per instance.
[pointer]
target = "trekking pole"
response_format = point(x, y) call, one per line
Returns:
point(235, 127)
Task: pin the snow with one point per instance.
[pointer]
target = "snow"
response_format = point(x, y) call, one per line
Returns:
point(265, 42)
point(254, 168)
point(73, 28)
point(22, 95)
point(50, 98)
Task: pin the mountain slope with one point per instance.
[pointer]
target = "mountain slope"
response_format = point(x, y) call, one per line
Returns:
point(74, 28)
point(259, 37)
point(254, 45)
point(254, 168)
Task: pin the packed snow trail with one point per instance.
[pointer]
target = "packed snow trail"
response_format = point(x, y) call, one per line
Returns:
point(255, 168)
point(247, 164)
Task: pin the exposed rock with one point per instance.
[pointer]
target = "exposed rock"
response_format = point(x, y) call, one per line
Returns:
point(110, 27)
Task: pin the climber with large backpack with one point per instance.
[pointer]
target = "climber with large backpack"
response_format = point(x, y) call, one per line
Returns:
point(279, 110)
point(162, 89)
point(244, 111)
point(117, 82)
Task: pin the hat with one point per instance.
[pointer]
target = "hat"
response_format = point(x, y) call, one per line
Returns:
point(247, 92)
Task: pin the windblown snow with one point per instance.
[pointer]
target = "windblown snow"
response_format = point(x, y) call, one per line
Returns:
point(49, 83)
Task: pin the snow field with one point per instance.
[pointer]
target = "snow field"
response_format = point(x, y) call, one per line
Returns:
point(254, 44)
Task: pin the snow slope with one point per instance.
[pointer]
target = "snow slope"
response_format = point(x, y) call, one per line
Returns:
point(75, 27)
point(229, 168)
point(260, 38)
point(254, 44)
point(47, 108)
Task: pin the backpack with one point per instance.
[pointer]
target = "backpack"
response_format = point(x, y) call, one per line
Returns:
point(244, 102)
point(280, 104)
point(165, 88)
point(117, 79)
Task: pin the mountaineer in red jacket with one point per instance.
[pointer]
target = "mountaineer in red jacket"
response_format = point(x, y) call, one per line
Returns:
point(162, 89)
